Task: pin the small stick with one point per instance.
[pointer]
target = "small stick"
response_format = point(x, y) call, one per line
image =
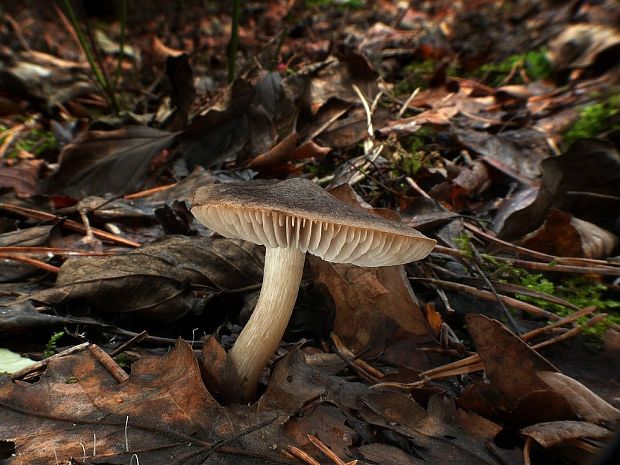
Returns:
point(52, 251)
point(415, 187)
point(31, 261)
point(147, 192)
point(403, 109)
point(571, 332)
point(108, 362)
point(69, 224)
point(43, 363)
point(134, 340)
point(507, 314)
point(344, 350)
point(534, 254)
point(327, 451)
point(526, 450)
point(604, 270)
point(301, 455)
point(486, 295)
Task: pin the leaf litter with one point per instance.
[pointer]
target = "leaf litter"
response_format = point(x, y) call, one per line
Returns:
point(476, 122)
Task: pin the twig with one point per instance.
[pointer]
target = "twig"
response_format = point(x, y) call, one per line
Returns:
point(146, 193)
point(602, 270)
point(108, 362)
point(534, 254)
point(344, 350)
point(124, 346)
point(26, 250)
point(327, 451)
point(486, 295)
point(31, 261)
point(18, 32)
point(507, 314)
point(526, 450)
point(403, 109)
point(69, 224)
point(43, 363)
point(571, 332)
point(368, 143)
point(301, 455)
point(415, 187)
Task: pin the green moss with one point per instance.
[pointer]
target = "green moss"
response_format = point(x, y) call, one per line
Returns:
point(415, 74)
point(124, 361)
point(50, 347)
point(410, 154)
point(535, 64)
point(595, 119)
point(335, 3)
point(579, 291)
point(36, 141)
point(463, 242)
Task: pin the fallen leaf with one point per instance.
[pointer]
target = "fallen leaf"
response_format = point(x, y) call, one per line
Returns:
point(372, 304)
point(101, 162)
point(383, 454)
point(23, 177)
point(580, 45)
point(557, 432)
point(117, 283)
point(563, 235)
point(590, 166)
point(510, 363)
point(584, 402)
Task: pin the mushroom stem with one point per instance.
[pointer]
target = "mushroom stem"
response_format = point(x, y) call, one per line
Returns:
point(262, 333)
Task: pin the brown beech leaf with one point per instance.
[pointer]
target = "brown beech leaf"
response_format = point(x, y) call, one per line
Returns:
point(440, 432)
point(387, 455)
point(327, 423)
point(557, 432)
point(78, 402)
point(584, 402)
point(372, 304)
point(566, 236)
point(529, 382)
point(23, 177)
point(153, 280)
point(589, 166)
point(510, 363)
point(162, 413)
point(101, 162)
point(279, 153)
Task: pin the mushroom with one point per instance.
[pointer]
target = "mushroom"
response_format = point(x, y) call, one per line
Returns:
point(290, 218)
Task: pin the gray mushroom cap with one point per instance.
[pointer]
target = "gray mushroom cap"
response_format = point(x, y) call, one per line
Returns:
point(298, 213)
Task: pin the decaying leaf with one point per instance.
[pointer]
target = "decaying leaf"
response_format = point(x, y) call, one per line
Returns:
point(563, 235)
point(551, 434)
point(589, 167)
point(524, 378)
point(372, 304)
point(101, 162)
point(155, 279)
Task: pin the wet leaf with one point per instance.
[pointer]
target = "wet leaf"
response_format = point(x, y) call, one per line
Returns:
point(563, 235)
point(557, 432)
point(101, 162)
point(372, 304)
point(155, 279)
point(23, 177)
point(34, 236)
point(590, 166)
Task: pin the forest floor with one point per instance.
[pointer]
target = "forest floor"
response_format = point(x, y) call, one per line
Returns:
point(490, 126)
